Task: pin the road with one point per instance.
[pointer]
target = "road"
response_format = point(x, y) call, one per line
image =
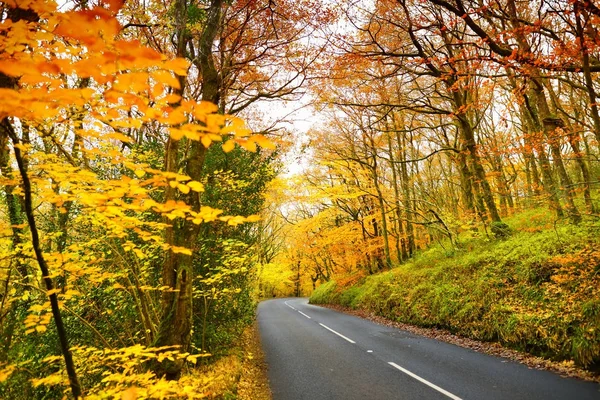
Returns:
point(315, 353)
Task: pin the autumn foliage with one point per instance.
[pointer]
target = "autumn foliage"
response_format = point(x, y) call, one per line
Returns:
point(87, 208)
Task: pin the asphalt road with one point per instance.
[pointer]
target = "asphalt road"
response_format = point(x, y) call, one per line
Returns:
point(315, 353)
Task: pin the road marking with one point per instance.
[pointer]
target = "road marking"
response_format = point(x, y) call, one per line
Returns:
point(304, 314)
point(286, 303)
point(337, 333)
point(431, 385)
point(369, 351)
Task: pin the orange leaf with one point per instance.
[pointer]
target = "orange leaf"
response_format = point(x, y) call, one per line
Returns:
point(167, 78)
point(178, 65)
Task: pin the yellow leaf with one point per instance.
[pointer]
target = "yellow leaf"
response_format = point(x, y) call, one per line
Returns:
point(193, 359)
point(118, 136)
point(167, 78)
point(264, 142)
point(181, 250)
point(173, 184)
point(157, 90)
point(10, 67)
point(129, 394)
point(176, 134)
point(173, 98)
point(196, 186)
point(41, 328)
point(206, 140)
point(183, 188)
point(253, 218)
point(6, 371)
point(248, 145)
point(139, 173)
point(36, 308)
point(182, 178)
point(176, 117)
point(228, 146)
point(203, 109)
point(140, 254)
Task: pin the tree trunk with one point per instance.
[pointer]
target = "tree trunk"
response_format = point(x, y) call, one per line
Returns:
point(178, 272)
point(399, 231)
point(573, 139)
point(468, 136)
point(408, 201)
point(585, 58)
point(466, 184)
point(542, 119)
point(381, 202)
point(545, 167)
point(552, 130)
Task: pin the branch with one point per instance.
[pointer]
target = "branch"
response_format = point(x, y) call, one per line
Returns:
point(35, 241)
point(496, 48)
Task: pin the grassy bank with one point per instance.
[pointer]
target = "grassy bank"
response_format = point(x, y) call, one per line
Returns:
point(536, 291)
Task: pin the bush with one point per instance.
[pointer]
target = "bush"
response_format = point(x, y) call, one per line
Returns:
point(500, 230)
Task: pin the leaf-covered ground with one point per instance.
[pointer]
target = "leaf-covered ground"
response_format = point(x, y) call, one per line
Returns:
point(242, 375)
point(253, 383)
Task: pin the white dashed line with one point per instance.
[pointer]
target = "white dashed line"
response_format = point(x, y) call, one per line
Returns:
point(407, 372)
point(337, 333)
point(425, 381)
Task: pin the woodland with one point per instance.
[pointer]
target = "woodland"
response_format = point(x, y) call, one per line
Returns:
point(166, 164)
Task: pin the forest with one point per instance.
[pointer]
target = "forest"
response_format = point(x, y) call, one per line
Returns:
point(165, 165)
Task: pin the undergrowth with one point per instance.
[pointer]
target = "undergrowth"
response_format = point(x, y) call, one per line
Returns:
point(537, 290)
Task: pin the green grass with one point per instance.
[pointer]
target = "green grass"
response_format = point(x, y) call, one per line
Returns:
point(537, 291)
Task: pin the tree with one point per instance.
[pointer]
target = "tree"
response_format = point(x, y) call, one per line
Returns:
point(72, 98)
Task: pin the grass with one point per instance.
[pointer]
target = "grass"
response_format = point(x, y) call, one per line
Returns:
point(536, 291)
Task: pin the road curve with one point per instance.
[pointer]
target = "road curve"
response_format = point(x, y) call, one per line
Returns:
point(315, 353)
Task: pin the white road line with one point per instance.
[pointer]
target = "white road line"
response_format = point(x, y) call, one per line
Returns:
point(304, 314)
point(431, 385)
point(286, 303)
point(337, 333)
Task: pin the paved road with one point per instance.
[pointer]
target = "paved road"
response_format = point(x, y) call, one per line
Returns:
point(316, 353)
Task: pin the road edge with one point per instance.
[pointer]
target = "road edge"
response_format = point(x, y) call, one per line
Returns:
point(253, 383)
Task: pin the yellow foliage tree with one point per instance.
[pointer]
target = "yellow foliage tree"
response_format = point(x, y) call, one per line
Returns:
point(73, 95)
